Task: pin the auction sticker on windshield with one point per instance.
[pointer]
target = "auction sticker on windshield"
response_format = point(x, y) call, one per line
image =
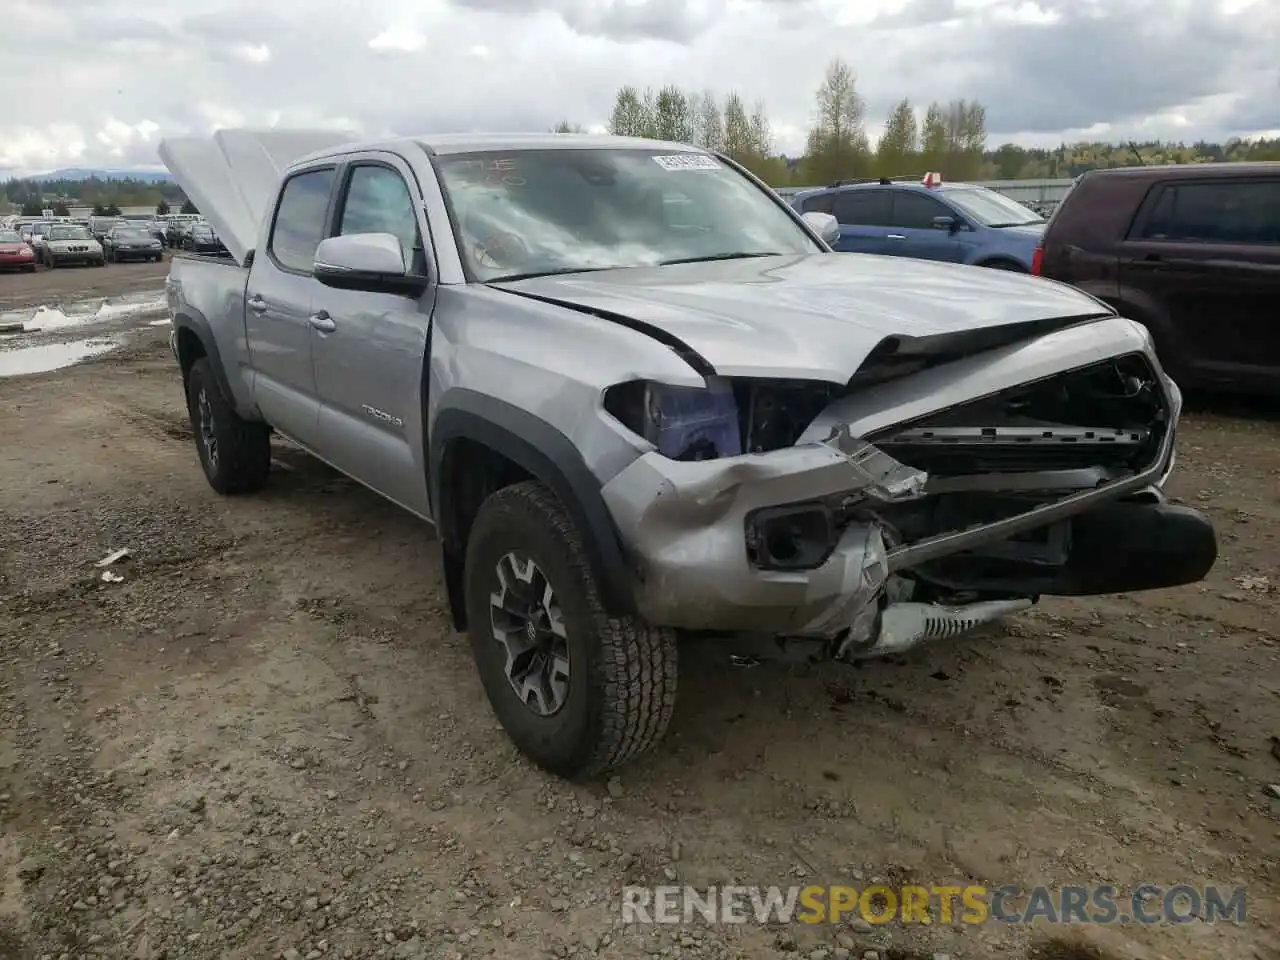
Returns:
point(687, 161)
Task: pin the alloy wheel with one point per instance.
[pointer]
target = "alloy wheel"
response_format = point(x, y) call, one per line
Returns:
point(204, 420)
point(527, 622)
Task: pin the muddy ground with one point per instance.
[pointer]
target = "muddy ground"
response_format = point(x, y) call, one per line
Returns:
point(75, 283)
point(266, 741)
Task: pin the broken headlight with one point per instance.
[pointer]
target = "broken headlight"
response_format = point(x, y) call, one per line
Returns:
point(683, 423)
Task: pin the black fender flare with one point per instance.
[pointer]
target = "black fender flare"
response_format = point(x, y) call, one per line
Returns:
point(548, 456)
point(196, 324)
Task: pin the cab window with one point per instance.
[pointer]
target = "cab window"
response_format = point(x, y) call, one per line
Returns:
point(300, 219)
point(378, 201)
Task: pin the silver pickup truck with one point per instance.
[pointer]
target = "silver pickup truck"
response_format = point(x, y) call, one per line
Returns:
point(639, 398)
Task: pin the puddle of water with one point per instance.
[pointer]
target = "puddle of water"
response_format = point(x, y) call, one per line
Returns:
point(82, 312)
point(51, 356)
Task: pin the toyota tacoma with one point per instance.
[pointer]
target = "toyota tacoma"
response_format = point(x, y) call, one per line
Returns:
point(640, 399)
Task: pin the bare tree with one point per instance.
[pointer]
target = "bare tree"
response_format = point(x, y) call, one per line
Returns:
point(838, 145)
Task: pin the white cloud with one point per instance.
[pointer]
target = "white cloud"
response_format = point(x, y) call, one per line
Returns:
point(252, 52)
point(118, 75)
point(398, 39)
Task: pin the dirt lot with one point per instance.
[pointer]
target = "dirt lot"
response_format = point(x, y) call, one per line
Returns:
point(267, 741)
point(76, 283)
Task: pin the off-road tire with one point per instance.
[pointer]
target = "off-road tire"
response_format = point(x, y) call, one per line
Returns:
point(622, 676)
point(242, 461)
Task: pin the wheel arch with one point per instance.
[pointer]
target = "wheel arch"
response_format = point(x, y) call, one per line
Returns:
point(193, 339)
point(479, 444)
point(1001, 261)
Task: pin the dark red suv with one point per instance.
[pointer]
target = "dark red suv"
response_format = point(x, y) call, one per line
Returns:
point(1192, 252)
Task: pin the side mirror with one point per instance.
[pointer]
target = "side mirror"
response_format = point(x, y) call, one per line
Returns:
point(950, 224)
point(824, 225)
point(372, 262)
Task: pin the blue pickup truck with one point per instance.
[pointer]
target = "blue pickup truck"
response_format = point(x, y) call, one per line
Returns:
point(929, 220)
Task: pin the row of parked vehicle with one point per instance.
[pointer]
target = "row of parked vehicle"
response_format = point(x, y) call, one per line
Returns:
point(1192, 252)
point(97, 241)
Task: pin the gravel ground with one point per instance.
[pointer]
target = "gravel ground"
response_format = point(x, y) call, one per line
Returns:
point(266, 741)
point(77, 283)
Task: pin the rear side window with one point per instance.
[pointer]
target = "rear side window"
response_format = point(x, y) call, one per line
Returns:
point(915, 211)
point(820, 203)
point(300, 219)
point(863, 208)
point(1240, 211)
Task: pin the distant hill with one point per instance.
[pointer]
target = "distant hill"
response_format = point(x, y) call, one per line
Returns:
point(85, 173)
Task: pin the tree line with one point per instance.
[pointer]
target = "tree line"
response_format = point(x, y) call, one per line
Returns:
point(31, 197)
point(948, 137)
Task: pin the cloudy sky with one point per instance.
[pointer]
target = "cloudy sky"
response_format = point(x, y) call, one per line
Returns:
point(98, 82)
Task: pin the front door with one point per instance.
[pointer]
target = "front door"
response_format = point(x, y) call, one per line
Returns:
point(864, 214)
point(278, 304)
point(1208, 253)
point(370, 348)
point(913, 214)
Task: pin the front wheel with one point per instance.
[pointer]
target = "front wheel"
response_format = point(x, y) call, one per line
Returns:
point(579, 692)
point(235, 453)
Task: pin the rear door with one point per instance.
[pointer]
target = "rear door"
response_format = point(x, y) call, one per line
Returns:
point(370, 347)
point(1207, 251)
point(914, 235)
point(278, 304)
point(864, 216)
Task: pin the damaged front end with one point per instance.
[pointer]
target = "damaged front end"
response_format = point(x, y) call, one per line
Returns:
point(928, 496)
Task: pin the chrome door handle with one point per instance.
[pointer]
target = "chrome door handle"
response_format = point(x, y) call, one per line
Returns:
point(256, 304)
point(894, 236)
point(322, 322)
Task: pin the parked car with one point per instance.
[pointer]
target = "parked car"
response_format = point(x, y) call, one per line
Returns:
point(625, 427)
point(176, 226)
point(37, 234)
point(16, 253)
point(66, 244)
point(202, 238)
point(128, 241)
point(929, 220)
point(101, 226)
point(1192, 252)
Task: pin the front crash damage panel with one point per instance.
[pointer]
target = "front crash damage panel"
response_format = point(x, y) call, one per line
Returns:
point(685, 524)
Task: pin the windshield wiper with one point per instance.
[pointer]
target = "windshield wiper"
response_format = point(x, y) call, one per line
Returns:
point(719, 256)
point(1019, 223)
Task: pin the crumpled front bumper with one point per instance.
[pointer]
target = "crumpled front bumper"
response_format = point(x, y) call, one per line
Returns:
point(684, 525)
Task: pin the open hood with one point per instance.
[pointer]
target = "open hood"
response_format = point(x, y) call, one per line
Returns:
point(232, 177)
point(820, 316)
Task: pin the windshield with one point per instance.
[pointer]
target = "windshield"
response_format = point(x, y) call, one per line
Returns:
point(9, 236)
point(68, 233)
point(992, 209)
point(531, 212)
point(131, 233)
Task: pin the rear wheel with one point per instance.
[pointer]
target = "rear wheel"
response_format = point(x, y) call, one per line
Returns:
point(235, 453)
point(578, 691)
